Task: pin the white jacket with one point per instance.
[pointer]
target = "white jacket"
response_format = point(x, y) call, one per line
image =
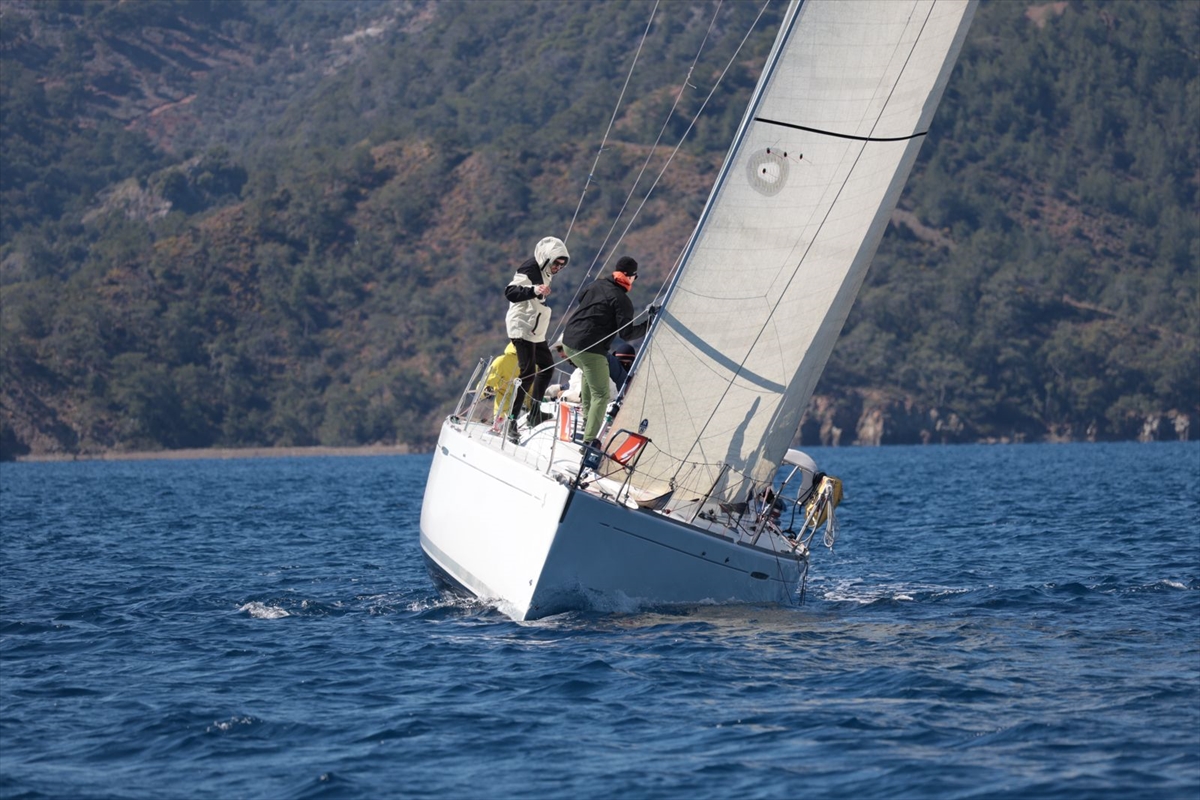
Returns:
point(528, 315)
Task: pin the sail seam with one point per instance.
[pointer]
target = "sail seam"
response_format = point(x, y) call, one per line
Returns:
point(837, 135)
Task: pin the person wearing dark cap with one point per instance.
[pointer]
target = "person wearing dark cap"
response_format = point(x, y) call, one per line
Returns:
point(620, 361)
point(605, 312)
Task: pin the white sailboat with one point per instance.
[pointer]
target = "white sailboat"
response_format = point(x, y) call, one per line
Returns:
point(681, 507)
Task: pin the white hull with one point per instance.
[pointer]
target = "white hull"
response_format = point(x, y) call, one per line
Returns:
point(511, 530)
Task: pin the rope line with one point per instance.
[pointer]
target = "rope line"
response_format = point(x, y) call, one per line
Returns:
point(658, 178)
point(670, 158)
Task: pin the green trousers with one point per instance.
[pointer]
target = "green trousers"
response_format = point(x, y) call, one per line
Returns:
point(593, 397)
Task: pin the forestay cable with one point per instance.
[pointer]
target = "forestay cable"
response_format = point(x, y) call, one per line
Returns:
point(691, 125)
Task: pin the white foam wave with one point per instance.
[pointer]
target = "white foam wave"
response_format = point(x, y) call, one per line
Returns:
point(857, 592)
point(438, 602)
point(229, 724)
point(615, 603)
point(264, 611)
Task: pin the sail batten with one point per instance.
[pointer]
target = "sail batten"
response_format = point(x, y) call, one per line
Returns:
point(782, 247)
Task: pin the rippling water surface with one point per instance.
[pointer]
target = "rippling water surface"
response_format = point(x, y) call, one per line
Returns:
point(1017, 621)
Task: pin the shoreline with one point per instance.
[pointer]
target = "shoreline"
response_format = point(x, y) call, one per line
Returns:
point(222, 453)
point(232, 453)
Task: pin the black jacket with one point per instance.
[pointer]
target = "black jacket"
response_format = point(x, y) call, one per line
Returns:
point(516, 293)
point(604, 311)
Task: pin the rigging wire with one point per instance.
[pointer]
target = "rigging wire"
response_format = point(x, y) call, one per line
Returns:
point(670, 158)
point(672, 273)
point(611, 120)
point(820, 226)
point(666, 165)
point(687, 81)
point(691, 125)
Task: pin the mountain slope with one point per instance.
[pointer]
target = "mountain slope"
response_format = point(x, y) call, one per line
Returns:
point(274, 223)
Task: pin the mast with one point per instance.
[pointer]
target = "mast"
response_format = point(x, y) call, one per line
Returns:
point(783, 245)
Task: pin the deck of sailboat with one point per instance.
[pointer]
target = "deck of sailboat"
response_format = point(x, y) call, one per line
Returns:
point(541, 450)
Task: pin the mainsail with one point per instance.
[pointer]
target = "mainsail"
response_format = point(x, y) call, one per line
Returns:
point(843, 105)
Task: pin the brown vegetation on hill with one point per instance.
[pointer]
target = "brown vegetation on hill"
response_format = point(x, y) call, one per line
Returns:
point(251, 224)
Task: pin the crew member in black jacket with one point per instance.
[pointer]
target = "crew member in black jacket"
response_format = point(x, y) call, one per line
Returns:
point(605, 311)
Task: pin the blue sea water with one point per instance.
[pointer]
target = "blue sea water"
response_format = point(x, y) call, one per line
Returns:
point(994, 622)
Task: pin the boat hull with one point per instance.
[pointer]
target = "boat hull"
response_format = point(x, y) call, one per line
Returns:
point(525, 540)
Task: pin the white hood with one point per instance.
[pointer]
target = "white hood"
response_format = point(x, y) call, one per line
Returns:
point(549, 249)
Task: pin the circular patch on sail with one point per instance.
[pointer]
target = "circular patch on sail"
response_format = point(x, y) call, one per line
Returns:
point(767, 172)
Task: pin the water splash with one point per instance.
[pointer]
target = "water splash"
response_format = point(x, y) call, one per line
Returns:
point(263, 611)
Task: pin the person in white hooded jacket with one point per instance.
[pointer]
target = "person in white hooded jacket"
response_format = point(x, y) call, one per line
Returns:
point(528, 320)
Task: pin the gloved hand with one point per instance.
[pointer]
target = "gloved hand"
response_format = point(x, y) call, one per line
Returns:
point(652, 310)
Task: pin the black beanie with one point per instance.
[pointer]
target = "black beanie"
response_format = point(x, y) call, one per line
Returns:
point(627, 265)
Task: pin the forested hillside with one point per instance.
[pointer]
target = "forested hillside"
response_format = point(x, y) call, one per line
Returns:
point(269, 223)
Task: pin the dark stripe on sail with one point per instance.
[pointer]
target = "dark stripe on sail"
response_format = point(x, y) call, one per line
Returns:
point(841, 135)
point(672, 323)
